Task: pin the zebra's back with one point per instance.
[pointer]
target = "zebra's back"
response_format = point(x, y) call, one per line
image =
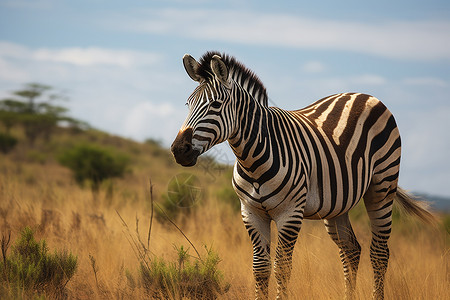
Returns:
point(353, 141)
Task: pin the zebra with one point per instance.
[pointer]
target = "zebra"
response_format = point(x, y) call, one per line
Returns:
point(313, 163)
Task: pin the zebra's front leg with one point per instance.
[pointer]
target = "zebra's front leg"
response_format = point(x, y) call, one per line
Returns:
point(288, 229)
point(257, 224)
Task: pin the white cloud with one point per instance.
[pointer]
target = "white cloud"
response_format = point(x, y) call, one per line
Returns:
point(148, 119)
point(313, 67)
point(12, 50)
point(416, 40)
point(146, 110)
point(89, 56)
point(426, 81)
point(368, 80)
point(360, 82)
point(96, 56)
point(10, 72)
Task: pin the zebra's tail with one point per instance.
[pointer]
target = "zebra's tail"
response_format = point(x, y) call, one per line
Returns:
point(416, 207)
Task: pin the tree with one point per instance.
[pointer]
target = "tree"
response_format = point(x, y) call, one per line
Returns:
point(33, 109)
point(31, 92)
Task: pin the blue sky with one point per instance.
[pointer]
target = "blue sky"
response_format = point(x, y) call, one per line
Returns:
point(120, 62)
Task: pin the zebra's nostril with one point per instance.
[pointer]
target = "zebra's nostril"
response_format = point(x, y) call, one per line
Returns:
point(187, 148)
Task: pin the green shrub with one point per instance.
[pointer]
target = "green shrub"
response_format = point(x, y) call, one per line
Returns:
point(227, 195)
point(197, 279)
point(183, 194)
point(93, 164)
point(7, 142)
point(30, 268)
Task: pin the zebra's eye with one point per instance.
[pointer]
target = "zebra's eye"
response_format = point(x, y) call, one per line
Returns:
point(216, 104)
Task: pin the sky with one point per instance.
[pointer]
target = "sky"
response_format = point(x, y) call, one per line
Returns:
point(120, 64)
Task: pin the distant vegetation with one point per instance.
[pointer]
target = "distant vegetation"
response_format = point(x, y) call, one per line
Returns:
point(92, 164)
point(33, 109)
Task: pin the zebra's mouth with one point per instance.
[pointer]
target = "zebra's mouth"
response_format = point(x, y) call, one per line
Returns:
point(182, 149)
point(187, 160)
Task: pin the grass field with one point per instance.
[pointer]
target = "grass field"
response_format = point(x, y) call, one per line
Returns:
point(35, 191)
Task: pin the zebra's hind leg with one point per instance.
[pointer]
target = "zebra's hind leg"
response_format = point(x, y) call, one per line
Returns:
point(341, 232)
point(379, 201)
point(257, 224)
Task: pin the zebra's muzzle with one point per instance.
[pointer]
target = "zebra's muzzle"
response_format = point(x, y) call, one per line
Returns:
point(182, 149)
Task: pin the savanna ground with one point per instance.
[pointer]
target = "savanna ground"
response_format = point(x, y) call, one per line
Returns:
point(36, 191)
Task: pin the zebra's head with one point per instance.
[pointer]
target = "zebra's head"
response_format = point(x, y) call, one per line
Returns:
point(208, 122)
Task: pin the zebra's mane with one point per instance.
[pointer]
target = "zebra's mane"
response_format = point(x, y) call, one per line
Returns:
point(241, 74)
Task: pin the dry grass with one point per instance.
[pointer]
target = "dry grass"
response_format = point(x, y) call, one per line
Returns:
point(45, 198)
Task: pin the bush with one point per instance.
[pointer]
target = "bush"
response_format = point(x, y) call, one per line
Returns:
point(183, 194)
point(93, 164)
point(199, 279)
point(32, 269)
point(227, 195)
point(7, 142)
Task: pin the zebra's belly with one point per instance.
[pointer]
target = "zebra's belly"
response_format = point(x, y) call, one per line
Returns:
point(324, 207)
point(312, 206)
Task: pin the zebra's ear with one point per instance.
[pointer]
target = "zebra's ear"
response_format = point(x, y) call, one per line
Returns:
point(191, 66)
point(219, 69)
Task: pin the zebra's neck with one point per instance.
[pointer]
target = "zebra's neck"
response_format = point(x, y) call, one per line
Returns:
point(251, 139)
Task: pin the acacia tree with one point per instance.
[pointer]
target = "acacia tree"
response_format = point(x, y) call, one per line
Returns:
point(30, 93)
point(32, 108)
